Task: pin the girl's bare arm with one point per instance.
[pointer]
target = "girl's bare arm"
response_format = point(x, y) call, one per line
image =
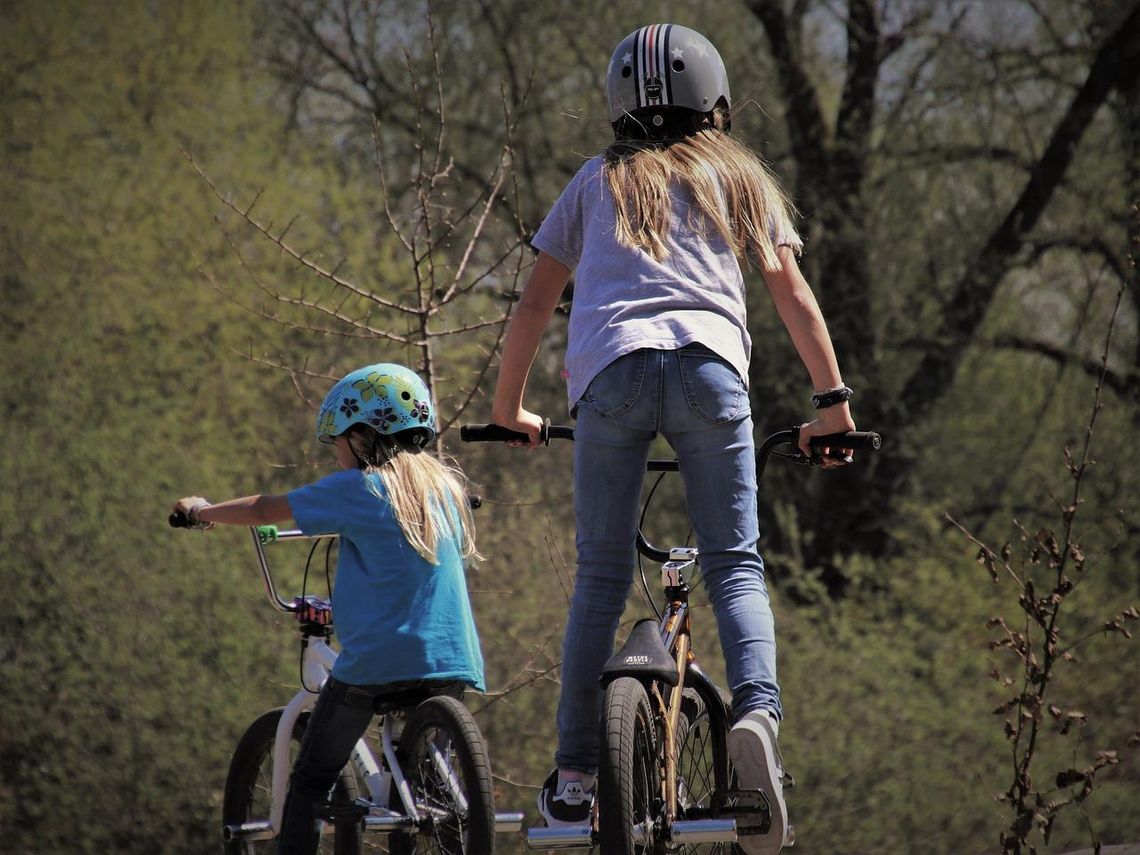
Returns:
point(800, 313)
point(539, 298)
point(250, 510)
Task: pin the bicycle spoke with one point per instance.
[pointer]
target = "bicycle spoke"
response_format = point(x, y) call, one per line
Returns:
point(697, 776)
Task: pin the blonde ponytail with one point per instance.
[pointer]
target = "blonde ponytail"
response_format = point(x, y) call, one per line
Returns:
point(428, 495)
point(731, 186)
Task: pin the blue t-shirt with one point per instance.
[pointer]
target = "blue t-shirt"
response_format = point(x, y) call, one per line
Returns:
point(397, 617)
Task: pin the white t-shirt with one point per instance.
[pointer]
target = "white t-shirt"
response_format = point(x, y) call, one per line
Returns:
point(624, 300)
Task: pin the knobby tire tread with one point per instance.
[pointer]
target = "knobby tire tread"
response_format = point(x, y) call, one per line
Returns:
point(452, 717)
point(254, 749)
point(627, 736)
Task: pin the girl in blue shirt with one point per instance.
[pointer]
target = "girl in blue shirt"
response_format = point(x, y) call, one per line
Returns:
point(400, 601)
point(655, 230)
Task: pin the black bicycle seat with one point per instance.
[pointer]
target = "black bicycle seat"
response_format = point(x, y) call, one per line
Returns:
point(413, 696)
point(643, 656)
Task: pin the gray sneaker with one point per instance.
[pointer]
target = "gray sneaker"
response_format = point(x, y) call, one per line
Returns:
point(755, 753)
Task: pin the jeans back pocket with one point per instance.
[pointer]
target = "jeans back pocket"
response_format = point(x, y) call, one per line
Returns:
point(617, 387)
point(713, 390)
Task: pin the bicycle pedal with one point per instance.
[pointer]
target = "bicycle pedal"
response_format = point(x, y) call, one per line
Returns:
point(743, 801)
point(749, 808)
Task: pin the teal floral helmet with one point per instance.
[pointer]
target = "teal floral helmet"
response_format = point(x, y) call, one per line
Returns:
point(389, 398)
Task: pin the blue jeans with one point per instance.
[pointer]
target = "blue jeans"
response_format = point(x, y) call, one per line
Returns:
point(699, 404)
point(341, 716)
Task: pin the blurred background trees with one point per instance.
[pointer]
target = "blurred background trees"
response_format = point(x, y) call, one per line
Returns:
point(965, 173)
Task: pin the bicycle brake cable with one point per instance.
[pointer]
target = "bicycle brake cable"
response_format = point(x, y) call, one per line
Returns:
point(640, 565)
point(304, 586)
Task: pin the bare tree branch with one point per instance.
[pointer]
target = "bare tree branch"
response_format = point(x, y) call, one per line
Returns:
point(975, 291)
point(297, 256)
point(1127, 385)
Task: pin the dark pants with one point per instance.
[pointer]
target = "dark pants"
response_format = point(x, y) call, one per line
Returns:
point(341, 716)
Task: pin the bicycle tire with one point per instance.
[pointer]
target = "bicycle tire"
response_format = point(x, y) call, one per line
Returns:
point(248, 792)
point(446, 725)
point(696, 782)
point(629, 773)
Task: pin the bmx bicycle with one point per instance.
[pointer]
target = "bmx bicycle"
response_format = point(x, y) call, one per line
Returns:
point(665, 780)
point(429, 791)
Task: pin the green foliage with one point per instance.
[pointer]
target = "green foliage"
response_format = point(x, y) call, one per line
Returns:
point(139, 654)
point(121, 393)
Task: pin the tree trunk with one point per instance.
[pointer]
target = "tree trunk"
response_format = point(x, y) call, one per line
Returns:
point(853, 508)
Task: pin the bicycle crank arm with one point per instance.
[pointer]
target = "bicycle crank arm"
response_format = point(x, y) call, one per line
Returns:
point(577, 837)
point(392, 821)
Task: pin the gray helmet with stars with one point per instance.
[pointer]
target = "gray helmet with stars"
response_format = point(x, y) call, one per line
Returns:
point(661, 66)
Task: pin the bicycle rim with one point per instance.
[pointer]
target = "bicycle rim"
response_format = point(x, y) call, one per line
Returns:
point(249, 790)
point(696, 777)
point(444, 759)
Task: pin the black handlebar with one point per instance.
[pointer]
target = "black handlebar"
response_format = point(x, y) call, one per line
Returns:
point(497, 433)
point(835, 443)
point(856, 440)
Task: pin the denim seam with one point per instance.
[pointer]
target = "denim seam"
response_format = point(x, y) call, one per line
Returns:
point(660, 386)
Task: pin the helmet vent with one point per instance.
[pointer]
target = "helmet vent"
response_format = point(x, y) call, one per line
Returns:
point(626, 72)
point(678, 65)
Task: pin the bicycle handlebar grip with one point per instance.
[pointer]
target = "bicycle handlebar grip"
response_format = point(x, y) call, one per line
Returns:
point(498, 433)
point(856, 440)
point(179, 520)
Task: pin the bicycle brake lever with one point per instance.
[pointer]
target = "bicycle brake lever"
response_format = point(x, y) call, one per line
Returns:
point(799, 457)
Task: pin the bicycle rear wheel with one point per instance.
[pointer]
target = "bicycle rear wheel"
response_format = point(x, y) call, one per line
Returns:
point(629, 774)
point(249, 790)
point(696, 775)
point(444, 758)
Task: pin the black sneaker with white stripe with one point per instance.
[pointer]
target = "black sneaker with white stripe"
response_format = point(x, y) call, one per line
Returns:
point(565, 806)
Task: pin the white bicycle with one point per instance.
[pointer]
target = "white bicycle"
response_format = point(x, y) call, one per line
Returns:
point(429, 792)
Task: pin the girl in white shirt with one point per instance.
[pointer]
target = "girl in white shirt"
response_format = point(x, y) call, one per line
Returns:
point(654, 230)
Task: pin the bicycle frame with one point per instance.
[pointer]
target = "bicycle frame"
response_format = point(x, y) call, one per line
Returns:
point(675, 630)
point(317, 662)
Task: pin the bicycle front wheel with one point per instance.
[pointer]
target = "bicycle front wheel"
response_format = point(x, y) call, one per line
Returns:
point(249, 791)
point(629, 773)
point(444, 758)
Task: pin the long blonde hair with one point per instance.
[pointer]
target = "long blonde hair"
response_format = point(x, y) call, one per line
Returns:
point(427, 494)
point(730, 184)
